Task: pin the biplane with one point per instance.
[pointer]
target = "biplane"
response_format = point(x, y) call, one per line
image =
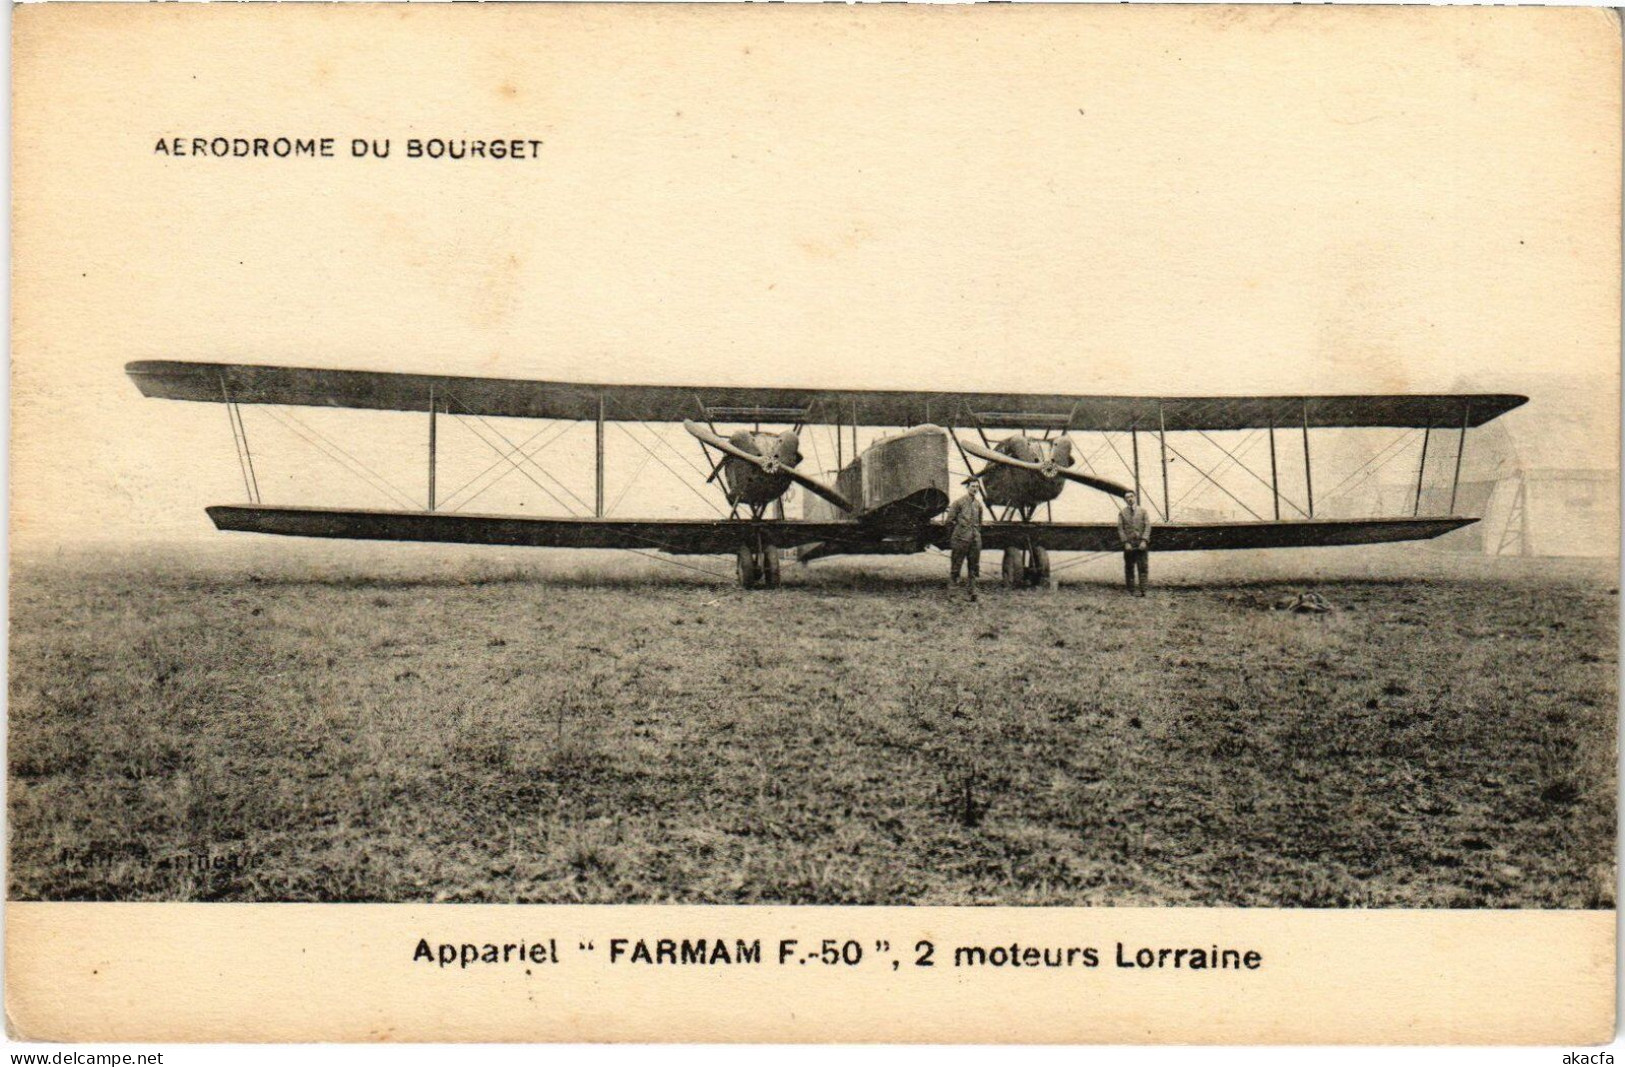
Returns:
point(886, 499)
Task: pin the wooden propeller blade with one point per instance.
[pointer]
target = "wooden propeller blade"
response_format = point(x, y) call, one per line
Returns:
point(999, 457)
point(1046, 469)
point(1103, 484)
point(723, 445)
point(770, 464)
point(812, 485)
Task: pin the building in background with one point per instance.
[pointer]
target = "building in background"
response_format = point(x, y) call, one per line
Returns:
point(1544, 478)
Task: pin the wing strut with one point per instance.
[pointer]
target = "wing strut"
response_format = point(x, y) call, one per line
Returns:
point(431, 447)
point(239, 441)
point(1308, 478)
point(1162, 435)
point(1275, 476)
point(975, 418)
point(963, 455)
point(1461, 446)
point(1134, 438)
point(598, 480)
point(1421, 469)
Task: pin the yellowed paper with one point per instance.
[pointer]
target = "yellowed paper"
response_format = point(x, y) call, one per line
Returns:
point(1523, 977)
point(247, 770)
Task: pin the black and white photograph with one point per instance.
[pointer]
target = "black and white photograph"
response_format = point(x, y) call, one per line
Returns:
point(1153, 458)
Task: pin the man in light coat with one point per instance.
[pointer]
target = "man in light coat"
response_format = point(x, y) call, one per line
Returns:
point(1134, 530)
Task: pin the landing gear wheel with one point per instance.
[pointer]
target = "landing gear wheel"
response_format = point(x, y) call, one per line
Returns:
point(749, 572)
point(769, 568)
point(1012, 568)
point(1038, 567)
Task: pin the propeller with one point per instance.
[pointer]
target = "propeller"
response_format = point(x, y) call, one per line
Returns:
point(768, 465)
point(1048, 469)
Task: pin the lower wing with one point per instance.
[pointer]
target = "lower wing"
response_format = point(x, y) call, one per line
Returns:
point(1206, 536)
point(678, 536)
point(720, 536)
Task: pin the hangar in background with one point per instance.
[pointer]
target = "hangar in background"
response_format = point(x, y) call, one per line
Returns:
point(1545, 478)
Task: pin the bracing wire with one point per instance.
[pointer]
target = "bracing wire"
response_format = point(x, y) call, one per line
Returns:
point(1209, 480)
point(630, 482)
point(561, 431)
point(513, 449)
point(567, 508)
point(237, 445)
point(248, 454)
point(1236, 456)
point(1360, 472)
point(676, 474)
point(333, 451)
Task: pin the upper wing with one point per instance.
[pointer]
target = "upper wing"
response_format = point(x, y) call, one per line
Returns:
point(247, 384)
point(1204, 536)
point(678, 536)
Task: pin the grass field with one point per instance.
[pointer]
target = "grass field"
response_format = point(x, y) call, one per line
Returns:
point(274, 722)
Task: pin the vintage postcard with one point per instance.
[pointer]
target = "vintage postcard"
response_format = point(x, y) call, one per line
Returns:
point(814, 523)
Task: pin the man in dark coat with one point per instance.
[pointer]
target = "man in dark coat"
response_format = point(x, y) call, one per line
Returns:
point(964, 522)
point(1134, 530)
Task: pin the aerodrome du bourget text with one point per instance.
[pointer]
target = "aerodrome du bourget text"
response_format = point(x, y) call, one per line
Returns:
point(283, 147)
